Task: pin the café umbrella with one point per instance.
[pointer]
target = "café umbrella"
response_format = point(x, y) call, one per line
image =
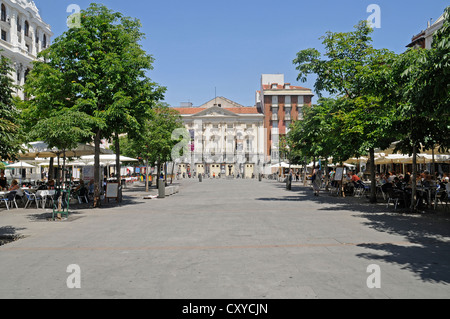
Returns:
point(20, 165)
point(107, 159)
point(42, 150)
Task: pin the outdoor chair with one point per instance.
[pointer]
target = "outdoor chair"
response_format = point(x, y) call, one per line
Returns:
point(447, 196)
point(360, 189)
point(32, 198)
point(395, 196)
point(82, 195)
point(10, 199)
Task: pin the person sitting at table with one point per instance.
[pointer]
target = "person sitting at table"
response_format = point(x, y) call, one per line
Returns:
point(81, 191)
point(426, 180)
point(51, 184)
point(355, 178)
point(397, 183)
point(407, 178)
point(80, 184)
point(91, 187)
point(445, 178)
point(15, 187)
point(3, 181)
point(387, 183)
point(378, 178)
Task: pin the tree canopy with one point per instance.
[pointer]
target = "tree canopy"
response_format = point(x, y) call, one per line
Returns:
point(10, 129)
point(99, 70)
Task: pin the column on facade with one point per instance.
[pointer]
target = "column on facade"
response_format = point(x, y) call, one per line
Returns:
point(33, 39)
point(13, 33)
point(22, 33)
point(39, 34)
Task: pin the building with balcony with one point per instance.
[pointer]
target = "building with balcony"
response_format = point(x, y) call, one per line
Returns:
point(282, 104)
point(23, 34)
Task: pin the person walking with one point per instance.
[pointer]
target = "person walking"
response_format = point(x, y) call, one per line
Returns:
point(317, 180)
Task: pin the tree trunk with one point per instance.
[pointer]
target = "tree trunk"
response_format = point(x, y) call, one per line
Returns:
point(158, 173)
point(146, 176)
point(64, 169)
point(165, 173)
point(305, 172)
point(373, 182)
point(97, 181)
point(118, 167)
point(171, 175)
point(414, 180)
point(58, 175)
point(51, 173)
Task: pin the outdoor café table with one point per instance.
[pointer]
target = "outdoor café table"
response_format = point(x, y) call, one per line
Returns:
point(44, 194)
point(427, 193)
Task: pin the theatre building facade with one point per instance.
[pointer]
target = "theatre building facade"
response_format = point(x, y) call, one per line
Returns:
point(226, 139)
point(23, 34)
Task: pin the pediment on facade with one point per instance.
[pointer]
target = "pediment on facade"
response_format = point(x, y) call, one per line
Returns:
point(216, 112)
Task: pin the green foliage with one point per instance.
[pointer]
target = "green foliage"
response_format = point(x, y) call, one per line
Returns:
point(63, 130)
point(155, 139)
point(345, 55)
point(10, 130)
point(98, 69)
point(418, 90)
point(355, 121)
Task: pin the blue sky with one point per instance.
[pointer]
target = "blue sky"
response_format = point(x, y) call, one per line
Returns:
point(201, 46)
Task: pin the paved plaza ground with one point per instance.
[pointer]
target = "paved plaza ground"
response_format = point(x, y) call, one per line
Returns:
point(228, 239)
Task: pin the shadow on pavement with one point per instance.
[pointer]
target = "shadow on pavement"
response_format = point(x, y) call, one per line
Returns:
point(9, 234)
point(428, 256)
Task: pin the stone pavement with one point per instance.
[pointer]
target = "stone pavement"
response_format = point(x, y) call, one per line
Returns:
point(230, 239)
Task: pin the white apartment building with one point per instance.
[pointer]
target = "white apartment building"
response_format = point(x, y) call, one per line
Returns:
point(23, 34)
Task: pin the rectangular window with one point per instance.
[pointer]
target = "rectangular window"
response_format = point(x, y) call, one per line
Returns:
point(3, 13)
point(275, 100)
point(288, 101)
point(4, 36)
point(301, 100)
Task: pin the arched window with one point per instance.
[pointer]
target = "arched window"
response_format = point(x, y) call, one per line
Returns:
point(27, 29)
point(44, 42)
point(3, 12)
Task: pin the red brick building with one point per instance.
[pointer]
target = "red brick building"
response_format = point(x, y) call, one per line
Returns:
point(281, 103)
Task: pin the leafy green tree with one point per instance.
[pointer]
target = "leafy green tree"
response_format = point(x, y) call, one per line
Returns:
point(154, 141)
point(9, 127)
point(97, 69)
point(416, 86)
point(64, 131)
point(352, 125)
